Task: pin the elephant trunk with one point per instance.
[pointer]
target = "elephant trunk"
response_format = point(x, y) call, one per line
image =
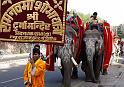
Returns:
point(91, 70)
point(90, 54)
point(67, 73)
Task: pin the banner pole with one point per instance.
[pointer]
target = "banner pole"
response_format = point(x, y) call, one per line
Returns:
point(32, 45)
point(31, 56)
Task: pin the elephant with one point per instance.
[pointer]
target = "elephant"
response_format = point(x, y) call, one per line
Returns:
point(94, 54)
point(73, 33)
point(91, 55)
point(65, 53)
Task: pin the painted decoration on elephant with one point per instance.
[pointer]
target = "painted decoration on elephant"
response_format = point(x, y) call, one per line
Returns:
point(32, 20)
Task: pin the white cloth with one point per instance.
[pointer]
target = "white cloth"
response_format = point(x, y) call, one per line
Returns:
point(33, 71)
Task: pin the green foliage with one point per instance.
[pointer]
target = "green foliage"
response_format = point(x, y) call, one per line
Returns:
point(84, 17)
point(120, 31)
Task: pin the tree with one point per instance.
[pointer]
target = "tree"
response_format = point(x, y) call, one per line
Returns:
point(120, 31)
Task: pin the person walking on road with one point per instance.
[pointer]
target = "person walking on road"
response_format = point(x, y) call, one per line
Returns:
point(35, 71)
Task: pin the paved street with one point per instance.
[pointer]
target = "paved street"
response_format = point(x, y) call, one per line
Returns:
point(11, 75)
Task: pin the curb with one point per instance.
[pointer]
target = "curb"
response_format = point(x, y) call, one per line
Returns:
point(13, 57)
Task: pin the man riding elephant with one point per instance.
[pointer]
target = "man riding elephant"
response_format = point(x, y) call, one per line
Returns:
point(93, 22)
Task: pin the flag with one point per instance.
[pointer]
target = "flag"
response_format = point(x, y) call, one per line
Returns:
point(50, 60)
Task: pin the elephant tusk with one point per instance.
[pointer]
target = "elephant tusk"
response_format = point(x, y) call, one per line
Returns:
point(73, 60)
point(59, 62)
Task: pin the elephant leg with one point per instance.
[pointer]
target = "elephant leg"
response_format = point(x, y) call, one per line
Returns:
point(103, 71)
point(85, 68)
point(62, 69)
point(74, 73)
point(88, 76)
point(102, 56)
point(97, 68)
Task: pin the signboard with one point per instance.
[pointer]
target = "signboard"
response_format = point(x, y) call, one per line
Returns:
point(32, 20)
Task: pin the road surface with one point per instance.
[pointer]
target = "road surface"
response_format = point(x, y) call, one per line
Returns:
point(11, 75)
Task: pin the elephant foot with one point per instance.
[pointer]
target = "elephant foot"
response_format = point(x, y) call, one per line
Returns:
point(96, 81)
point(74, 76)
point(88, 77)
point(62, 80)
point(105, 72)
point(88, 80)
